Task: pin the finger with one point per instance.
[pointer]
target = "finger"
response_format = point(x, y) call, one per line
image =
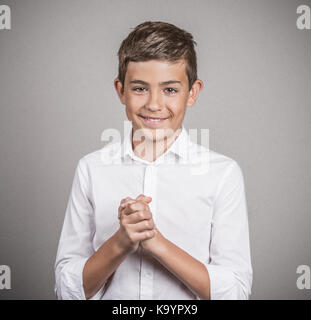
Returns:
point(143, 225)
point(140, 236)
point(134, 206)
point(145, 235)
point(138, 216)
point(121, 209)
point(144, 198)
point(123, 205)
point(125, 200)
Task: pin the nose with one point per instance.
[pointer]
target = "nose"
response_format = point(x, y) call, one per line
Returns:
point(154, 102)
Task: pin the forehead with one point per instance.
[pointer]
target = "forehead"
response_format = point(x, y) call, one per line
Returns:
point(156, 71)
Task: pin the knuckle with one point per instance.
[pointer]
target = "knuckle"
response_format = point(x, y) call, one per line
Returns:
point(149, 234)
point(125, 200)
point(147, 224)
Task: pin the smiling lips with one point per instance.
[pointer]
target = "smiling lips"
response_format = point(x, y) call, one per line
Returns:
point(152, 121)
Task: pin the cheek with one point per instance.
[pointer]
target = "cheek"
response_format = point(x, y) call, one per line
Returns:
point(128, 113)
point(132, 106)
point(177, 105)
point(135, 101)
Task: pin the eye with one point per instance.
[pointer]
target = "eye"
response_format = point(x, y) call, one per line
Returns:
point(170, 90)
point(139, 89)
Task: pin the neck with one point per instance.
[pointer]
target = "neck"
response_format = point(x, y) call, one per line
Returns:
point(150, 149)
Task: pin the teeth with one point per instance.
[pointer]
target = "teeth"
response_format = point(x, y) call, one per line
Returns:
point(154, 120)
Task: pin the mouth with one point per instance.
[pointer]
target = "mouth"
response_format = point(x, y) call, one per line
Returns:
point(152, 121)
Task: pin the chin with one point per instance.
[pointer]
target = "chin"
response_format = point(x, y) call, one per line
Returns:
point(155, 134)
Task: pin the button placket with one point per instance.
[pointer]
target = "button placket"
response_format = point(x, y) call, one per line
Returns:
point(146, 274)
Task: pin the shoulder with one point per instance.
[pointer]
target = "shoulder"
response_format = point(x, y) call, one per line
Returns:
point(228, 173)
point(219, 168)
point(99, 157)
point(218, 163)
point(223, 162)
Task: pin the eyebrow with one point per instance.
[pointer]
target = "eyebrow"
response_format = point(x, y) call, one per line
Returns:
point(165, 83)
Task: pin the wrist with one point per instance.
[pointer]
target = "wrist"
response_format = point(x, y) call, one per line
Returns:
point(121, 246)
point(159, 246)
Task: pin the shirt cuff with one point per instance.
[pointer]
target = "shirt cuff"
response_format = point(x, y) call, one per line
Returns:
point(222, 283)
point(70, 284)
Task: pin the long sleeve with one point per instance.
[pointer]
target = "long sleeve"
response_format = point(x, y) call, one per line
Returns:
point(75, 244)
point(229, 266)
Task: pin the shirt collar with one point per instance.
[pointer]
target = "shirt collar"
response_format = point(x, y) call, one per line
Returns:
point(180, 147)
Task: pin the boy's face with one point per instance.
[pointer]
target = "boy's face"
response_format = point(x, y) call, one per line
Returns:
point(159, 90)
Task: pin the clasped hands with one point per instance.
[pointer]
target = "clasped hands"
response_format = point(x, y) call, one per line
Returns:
point(137, 227)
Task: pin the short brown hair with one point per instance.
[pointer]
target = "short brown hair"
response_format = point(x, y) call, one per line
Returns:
point(161, 41)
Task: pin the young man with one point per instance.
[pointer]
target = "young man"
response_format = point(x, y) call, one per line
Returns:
point(143, 221)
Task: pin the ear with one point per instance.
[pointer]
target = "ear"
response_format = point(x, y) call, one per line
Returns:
point(194, 92)
point(118, 86)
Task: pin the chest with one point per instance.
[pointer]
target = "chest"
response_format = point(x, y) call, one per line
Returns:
point(181, 204)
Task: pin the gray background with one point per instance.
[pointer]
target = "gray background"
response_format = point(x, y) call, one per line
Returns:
point(57, 66)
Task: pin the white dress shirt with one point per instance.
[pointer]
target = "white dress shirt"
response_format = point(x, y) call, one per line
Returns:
point(198, 203)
